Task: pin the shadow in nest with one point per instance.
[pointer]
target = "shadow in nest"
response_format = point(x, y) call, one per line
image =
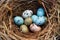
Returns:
point(17, 11)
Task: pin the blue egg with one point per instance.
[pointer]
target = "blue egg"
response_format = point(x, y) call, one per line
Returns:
point(34, 18)
point(40, 20)
point(18, 20)
point(40, 12)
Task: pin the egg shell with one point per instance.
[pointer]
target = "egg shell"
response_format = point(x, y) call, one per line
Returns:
point(24, 29)
point(40, 12)
point(18, 20)
point(34, 28)
point(28, 21)
point(27, 13)
point(34, 18)
point(40, 20)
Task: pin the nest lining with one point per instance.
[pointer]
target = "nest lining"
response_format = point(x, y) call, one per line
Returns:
point(11, 9)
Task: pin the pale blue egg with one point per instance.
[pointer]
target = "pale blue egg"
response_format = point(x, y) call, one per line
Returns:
point(34, 18)
point(27, 13)
point(40, 12)
point(18, 20)
point(40, 20)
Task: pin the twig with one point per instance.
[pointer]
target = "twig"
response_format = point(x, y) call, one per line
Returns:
point(10, 15)
point(45, 9)
point(16, 35)
point(5, 27)
point(58, 16)
point(13, 37)
point(1, 26)
point(52, 15)
point(7, 38)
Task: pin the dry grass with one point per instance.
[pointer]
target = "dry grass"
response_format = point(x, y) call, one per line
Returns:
point(11, 8)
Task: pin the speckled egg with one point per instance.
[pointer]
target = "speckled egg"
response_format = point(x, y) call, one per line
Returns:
point(24, 29)
point(18, 20)
point(34, 28)
point(40, 12)
point(27, 13)
point(34, 18)
point(28, 21)
point(40, 20)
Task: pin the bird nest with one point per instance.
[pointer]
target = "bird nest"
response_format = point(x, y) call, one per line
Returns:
point(11, 8)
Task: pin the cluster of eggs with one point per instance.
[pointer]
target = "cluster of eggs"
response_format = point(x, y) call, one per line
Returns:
point(31, 20)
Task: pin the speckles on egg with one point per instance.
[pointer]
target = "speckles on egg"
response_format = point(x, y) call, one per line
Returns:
point(34, 18)
point(27, 13)
point(40, 12)
point(40, 20)
point(34, 28)
point(29, 19)
point(18, 20)
point(24, 29)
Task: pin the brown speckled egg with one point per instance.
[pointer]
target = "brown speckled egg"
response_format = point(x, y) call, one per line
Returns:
point(24, 29)
point(34, 28)
point(28, 21)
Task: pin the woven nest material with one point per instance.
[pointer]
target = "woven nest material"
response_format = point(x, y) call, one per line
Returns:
point(11, 8)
